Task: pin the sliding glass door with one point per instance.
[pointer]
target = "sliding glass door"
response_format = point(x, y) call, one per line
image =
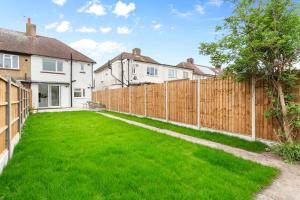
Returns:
point(49, 95)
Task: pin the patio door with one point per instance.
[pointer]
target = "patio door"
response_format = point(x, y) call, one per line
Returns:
point(49, 95)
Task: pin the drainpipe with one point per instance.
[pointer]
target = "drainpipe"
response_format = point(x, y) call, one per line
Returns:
point(128, 72)
point(71, 81)
point(122, 72)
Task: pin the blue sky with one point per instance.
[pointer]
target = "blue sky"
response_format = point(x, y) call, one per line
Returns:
point(167, 30)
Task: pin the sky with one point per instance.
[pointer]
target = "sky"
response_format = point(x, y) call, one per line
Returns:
point(167, 30)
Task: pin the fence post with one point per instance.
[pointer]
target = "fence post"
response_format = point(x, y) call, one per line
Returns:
point(129, 99)
point(145, 99)
point(8, 115)
point(167, 99)
point(20, 109)
point(198, 103)
point(253, 112)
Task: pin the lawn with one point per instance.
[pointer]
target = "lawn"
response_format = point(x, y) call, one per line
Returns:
point(83, 155)
point(254, 146)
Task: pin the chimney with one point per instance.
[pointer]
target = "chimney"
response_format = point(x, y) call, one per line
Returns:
point(190, 60)
point(136, 51)
point(30, 28)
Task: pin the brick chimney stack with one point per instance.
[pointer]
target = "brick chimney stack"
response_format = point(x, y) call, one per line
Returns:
point(30, 28)
point(136, 51)
point(190, 60)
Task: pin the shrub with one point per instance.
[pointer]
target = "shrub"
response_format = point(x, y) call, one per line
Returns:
point(289, 152)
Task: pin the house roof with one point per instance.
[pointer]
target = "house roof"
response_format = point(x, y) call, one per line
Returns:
point(131, 56)
point(200, 69)
point(19, 42)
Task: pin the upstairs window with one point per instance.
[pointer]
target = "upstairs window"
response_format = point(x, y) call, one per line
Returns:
point(52, 65)
point(172, 73)
point(82, 67)
point(152, 71)
point(133, 69)
point(8, 61)
point(185, 75)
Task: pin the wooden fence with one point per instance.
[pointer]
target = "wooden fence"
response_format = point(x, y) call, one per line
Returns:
point(215, 104)
point(14, 109)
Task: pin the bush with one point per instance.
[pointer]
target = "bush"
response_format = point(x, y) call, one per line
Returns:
point(289, 152)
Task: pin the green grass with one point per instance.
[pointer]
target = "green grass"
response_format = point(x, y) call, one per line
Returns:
point(254, 146)
point(83, 155)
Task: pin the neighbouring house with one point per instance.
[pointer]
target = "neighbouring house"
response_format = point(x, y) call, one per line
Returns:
point(200, 71)
point(135, 69)
point(58, 76)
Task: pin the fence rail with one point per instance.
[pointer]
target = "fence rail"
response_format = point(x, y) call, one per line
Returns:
point(14, 109)
point(215, 104)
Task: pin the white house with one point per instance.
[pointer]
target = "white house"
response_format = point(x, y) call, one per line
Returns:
point(58, 75)
point(135, 69)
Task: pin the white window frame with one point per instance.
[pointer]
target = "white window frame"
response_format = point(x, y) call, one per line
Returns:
point(185, 74)
point(82, 92)
point(11, 61)
point(152, 69)
point(172, 73)
point(82, 67)
point(50, 96)
point(56, 65)
point(133, 69)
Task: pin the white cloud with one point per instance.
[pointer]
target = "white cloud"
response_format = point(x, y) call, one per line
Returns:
point(96, 49)
point(105, 29)
point(61, 27)
point(51, 26)
point(93, 7)
point(200, 9)
point(157, 26)
point(59, 2)
point(64, 26)
point(85, 29)
point(123, 30)
point(121, 9)
point(217, 3)
point(179, 13)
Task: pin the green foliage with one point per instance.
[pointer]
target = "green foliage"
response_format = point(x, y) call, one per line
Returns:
point(290, 152)
point(263, 41)
point(255, 146)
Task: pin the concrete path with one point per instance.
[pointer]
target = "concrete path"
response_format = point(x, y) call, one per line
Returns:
point(285, 187)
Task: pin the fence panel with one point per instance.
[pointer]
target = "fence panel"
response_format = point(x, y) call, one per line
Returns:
point(14, 107)
point(3, 107)
point(114, 99)
point(224, 104)
point(156, 100)
point(124, 99)
point(138, 100)
point(182, 101)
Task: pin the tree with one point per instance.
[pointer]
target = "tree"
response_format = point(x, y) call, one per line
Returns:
point(262, 40)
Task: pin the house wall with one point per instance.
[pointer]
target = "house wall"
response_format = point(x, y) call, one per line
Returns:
point(24, 71)
point(81, 80)
point(104, 79)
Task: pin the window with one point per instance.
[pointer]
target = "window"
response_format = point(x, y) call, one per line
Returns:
point(9, 61)
point(52, 65)
point(151, 71)
point(82, 67)
point(172, 73)
point(133, 69)
point(79, 92)
point(185, 75)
